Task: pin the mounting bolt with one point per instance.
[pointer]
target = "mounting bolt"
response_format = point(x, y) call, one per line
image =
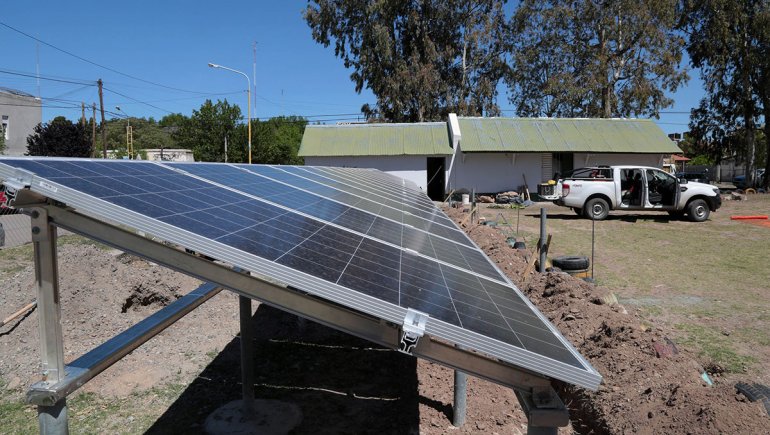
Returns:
point(35, 214)
point(35, 230)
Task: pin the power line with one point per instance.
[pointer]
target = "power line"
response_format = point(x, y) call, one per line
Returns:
point(94, 63)
point(137, 101)
point(15, 73)
point(38, 106)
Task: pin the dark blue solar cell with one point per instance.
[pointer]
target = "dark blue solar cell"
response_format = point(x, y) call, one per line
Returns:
point(380, 253)
point(76, 168)
point(252, 246)
point(355, 220)
point(215, 219)
point(299, 225)
point(502, 333)
point(361, 280)
point(136, 203)
point(418, 241)
point(326, 210)
point(386, 230)
point(193, 225)
point(422, 276)
point(40, 169)
point(83, 185)
point(305, 261)
point(435, 307)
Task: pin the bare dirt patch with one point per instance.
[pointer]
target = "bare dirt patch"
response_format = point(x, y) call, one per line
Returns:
point(641, 392)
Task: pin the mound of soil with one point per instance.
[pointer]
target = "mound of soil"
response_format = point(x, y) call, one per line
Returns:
point(644, 390)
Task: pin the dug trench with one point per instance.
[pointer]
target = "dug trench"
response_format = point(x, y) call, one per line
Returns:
point(644, 389)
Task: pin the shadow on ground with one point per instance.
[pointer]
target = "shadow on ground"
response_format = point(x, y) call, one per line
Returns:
point(341, 383)
point(626, 217)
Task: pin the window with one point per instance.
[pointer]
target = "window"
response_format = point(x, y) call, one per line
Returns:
point(5, 126)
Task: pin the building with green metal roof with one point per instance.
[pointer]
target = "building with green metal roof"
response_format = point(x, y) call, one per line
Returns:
point(486, 154)
point(409, 151)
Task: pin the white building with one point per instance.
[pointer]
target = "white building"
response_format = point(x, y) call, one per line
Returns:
point(20, 113)
point(486, 154)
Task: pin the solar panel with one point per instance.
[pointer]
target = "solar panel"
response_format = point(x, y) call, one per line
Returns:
point(359, 238)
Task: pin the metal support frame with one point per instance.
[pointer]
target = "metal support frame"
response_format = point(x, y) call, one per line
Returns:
point(89, 365)
point(52, 418)
point(247, 355)
point(542, 241)
point(460, 399)
point(387, 334)
point(544, 410)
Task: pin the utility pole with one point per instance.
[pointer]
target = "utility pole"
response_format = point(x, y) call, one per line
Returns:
point(93, 129)
point(255, 85)
point(83, 113)
point(101, 107)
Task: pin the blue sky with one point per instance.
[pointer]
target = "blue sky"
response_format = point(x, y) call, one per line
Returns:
point(170, 43)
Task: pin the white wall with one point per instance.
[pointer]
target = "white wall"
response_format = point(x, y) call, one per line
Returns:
point(411, 168)
point(583, 159)
point(495, 172)
point(484, 172)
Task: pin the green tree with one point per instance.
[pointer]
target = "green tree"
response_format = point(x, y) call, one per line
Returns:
point(59, 138)
point(277, 140)
point(421, 59)
point(725, 44)
point(596, 58)
point(205, 132)
point(761, 79)
point(146, 133)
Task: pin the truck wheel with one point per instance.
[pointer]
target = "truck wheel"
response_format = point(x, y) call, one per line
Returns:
point(596, 209)
point(698, 210)
point(571, 262)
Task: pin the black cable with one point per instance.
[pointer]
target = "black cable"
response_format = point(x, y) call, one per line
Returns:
point(94, 63)
point(137, 101)
point(85, 83)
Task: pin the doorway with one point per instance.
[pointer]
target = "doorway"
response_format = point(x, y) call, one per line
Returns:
point(436, 181)
point(563, 162)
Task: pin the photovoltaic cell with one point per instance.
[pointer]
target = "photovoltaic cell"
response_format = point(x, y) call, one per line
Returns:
point(357, 229)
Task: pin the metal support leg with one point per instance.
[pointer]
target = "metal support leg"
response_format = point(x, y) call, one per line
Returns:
point(542, 240)
point(458, 412)
point(247, 355)
point(52, 419)
point(545, 411)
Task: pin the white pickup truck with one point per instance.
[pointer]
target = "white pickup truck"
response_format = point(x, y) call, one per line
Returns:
point(592, 192)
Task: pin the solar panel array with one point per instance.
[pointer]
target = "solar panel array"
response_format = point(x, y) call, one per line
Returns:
point(376, 243)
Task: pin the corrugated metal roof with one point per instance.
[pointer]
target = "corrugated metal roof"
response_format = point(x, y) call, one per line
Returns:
point(550, 135)
point(426, 138)
point(16, 92)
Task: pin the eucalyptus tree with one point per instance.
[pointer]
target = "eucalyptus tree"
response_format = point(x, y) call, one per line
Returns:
point(421, 58)
point(595, 58)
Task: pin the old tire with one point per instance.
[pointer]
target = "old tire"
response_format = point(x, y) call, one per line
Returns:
point(519, 245)
point(571, 262)
point(698, 210)
point(578, 211)
point(755, 393)
point(596, 209)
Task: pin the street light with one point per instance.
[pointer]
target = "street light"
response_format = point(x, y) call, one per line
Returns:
point(129, 135)
point(248, 96)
